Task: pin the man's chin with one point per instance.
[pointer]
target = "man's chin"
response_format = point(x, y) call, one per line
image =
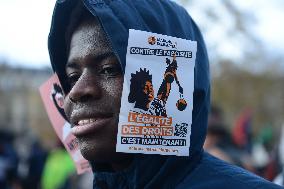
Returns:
point(96, 152)
point(110, 161)
point(93, 151)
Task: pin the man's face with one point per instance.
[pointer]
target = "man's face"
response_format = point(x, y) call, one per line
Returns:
point(93, 103)
point(148, 91)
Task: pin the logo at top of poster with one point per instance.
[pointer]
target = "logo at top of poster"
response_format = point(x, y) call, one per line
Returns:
point(152, 40)
point(142, 90)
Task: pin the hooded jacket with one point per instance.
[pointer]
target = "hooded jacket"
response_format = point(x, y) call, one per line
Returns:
point(199, 169)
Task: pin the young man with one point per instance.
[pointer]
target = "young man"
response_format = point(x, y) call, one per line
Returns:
point(87, 45)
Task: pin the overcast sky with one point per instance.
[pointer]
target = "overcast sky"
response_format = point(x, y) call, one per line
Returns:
point(24, 29)
point(25, 26)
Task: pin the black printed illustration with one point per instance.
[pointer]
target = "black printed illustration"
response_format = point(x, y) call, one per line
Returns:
point(58, 99)
point(142, 90)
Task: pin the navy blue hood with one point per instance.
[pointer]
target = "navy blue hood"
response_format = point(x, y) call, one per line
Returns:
point(157, 16)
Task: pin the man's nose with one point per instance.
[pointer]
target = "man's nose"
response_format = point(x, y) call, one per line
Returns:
point(86, 88)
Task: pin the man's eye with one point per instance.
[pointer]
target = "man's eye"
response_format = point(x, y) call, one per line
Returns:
point(72, 79)
point(111, 70)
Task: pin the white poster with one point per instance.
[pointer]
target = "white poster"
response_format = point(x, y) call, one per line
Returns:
point(157, 99)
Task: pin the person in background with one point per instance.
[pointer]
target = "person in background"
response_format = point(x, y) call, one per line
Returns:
point(8, 162)
point(58, 169)
point(280, 177)
point(217, 142)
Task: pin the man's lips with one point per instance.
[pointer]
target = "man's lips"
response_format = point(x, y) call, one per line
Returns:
point(150, 95)
point(87, 126)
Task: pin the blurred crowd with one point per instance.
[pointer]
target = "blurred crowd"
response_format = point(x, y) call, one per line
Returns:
point(259, 153)
point(37, 167)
